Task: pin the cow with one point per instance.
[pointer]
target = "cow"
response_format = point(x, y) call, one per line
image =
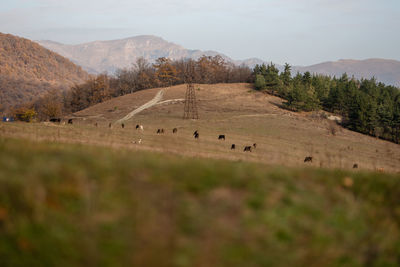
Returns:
point(109, 125)
point(355, 166)
point(69, 121)
point(58, 120)
point(139, 127)
point(255, 145)
point(221, 136)
point(95, 124)
point(196, 135)
point(247, 148)
point(123, 126)
point(233, 146)
point(175, 130)
point(160, 131)
point(196, 132)
point(308, 159)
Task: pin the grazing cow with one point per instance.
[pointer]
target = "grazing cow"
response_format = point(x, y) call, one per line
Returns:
point(139, 127)
point(221, 136)
point(175, 130)
point(109, 125)
point(233, 146)
point(247, 148)
point(355, 166)
point(196, 132)
point(255, 145)
point(69, 121)
point(123, 126)
point(55, 120)
point(95, 124)
point(160, 131)
point(308, 159)
point(196, 135)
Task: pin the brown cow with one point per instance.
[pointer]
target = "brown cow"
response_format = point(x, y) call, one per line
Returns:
point(247, 148)
point(308, 159)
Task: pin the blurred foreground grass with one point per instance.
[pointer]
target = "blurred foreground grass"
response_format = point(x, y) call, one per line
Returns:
point(76, 205)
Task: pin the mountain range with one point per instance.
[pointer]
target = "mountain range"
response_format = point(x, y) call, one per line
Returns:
point(108, 56)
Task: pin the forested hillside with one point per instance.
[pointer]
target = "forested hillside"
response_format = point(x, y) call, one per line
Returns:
point(27, 70)
point(366, 106)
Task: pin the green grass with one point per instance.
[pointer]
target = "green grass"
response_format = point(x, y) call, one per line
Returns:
point(76, 205)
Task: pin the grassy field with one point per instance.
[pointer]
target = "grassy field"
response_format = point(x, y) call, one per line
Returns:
point(83, 205)
point(243, 115)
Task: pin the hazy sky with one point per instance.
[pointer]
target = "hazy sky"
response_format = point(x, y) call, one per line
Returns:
point(299, 32)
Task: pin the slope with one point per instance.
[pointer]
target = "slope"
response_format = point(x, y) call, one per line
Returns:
point(243, 115)
point(27, 70)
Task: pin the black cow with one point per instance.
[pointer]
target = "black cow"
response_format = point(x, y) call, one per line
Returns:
point(160, 131)
point(308, 159)
point(233, 146)
point(196, 135)
point(55, 120)
point(175, 130)
point(221, 136)
point(69, 121)
point(247, 148)
point(137, 126)
point(196, 132)
point(123, 126)
point(355, 166)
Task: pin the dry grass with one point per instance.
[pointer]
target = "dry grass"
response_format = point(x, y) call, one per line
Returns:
point(244, 116)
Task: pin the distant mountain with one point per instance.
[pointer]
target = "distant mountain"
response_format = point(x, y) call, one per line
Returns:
point(384, 70)
point(28, 70)
point(101, 56)
point(108, 56)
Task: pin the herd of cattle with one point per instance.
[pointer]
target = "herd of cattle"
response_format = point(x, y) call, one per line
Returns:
point(196, 135)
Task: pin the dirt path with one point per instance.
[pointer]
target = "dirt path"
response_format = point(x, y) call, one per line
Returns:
point(149, 104)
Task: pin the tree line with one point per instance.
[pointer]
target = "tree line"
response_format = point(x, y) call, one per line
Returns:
point(365, 105)
point(141, 75)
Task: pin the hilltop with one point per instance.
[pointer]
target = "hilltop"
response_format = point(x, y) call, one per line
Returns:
point(28, 70)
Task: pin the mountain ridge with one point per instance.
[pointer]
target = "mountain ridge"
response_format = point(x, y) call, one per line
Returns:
point(110, 55)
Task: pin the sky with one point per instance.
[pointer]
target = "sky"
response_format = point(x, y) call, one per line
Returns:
point(300, 32)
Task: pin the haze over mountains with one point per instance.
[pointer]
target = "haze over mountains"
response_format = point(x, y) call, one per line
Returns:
point(108, 56)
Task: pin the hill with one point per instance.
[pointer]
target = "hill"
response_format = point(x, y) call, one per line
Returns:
point(79, 205)
point(28, 70)
point(243, 115)
point(384, 70)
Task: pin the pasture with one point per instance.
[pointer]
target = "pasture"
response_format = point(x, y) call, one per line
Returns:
point(241, 114)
